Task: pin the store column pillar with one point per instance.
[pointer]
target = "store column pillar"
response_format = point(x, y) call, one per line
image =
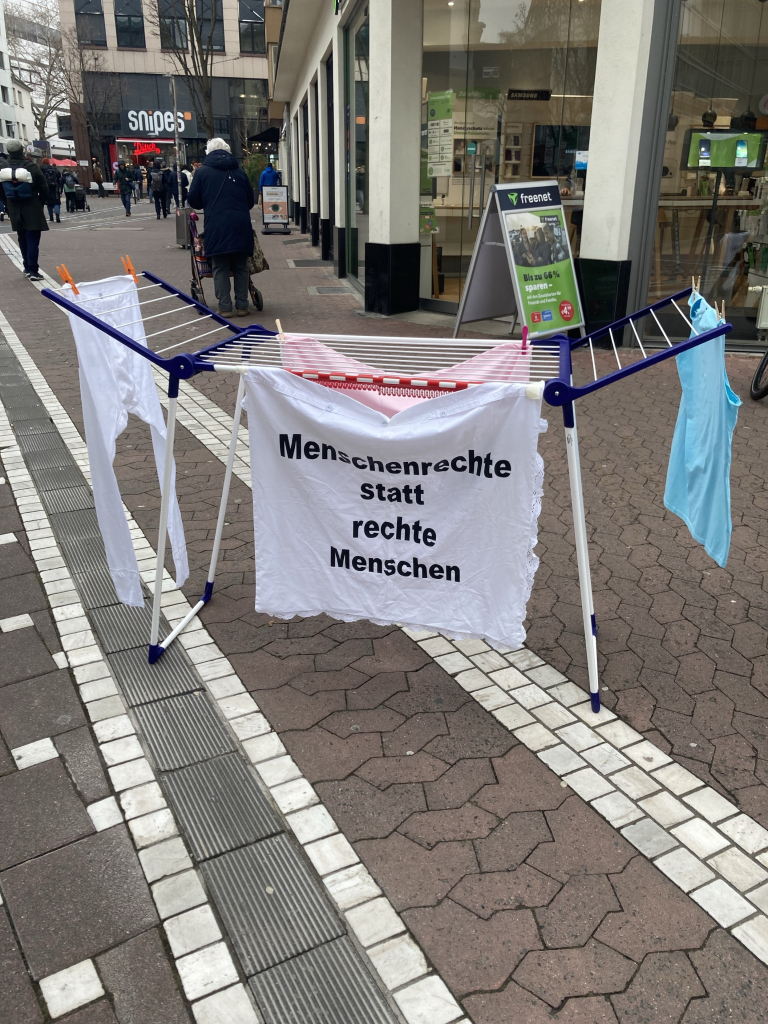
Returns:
point(339, 160)
point(295, 177)
point(392, 254)
point(633, 83)
point(313, 212)
point(322, 160)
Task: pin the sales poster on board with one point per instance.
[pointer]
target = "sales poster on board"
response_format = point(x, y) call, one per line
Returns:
point(274, 204)
point(522, 263)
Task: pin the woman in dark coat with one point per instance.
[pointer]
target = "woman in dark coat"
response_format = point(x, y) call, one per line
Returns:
point(27, 214)
point(222, 190)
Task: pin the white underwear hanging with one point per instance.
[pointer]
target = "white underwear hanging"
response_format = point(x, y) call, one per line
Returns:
point(114, 381)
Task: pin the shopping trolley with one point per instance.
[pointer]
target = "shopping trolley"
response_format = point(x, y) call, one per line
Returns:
point(201, 267)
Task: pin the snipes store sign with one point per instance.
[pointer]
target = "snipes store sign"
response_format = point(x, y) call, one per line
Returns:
point(148, 124)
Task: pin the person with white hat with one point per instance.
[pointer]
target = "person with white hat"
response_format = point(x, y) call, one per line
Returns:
point(25, 192)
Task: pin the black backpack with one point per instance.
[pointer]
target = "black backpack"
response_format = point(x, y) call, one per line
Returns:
point(16, 191)
point(69, 178)
point(156, 180)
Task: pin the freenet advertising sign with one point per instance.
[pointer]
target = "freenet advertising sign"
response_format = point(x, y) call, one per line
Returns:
point(528, 198)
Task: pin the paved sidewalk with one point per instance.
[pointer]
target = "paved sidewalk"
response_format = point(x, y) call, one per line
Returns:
point(519, 893)
point(80, 923)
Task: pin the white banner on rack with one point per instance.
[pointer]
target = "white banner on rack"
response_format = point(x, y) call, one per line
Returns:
point(425, 519)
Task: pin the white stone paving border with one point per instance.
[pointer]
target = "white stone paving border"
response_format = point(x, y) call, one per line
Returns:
point(207, 973)
point(655, 803)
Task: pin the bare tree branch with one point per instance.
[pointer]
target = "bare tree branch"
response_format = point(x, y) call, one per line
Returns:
point(91, 85)
point(187, 30)
point(35, 51)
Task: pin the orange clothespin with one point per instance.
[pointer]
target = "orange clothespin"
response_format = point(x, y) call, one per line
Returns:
point(66, 277)
point(126, 261)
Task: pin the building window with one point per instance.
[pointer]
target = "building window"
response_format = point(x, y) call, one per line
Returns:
point(221, 125)
point(2, 61)
point(252, 38)
point(24, 132)
point(173, 25)
point(89, 18)
point(212, 35)
point(19, 100)
point(6, 98)
point(9, 130)
point(129, 22)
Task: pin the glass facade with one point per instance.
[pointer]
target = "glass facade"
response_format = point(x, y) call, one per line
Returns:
point(712, 218)
point(506, 96)
point(356, 102)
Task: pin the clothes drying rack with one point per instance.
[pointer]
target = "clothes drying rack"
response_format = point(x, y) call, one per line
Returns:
point(424, 367)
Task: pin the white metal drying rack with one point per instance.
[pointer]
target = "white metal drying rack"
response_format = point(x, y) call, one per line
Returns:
point(424, 367)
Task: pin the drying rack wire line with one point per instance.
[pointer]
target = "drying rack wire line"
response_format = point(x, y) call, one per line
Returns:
point(401, 369)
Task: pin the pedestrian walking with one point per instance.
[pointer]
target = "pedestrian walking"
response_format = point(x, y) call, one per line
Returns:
point(70, 183)
point(221, 188)
point(158, 181)
point(124, 182)
point(53, 178)
point(174, 185)
point(138, 177)
point(26, 192)
point(99, 179)
point(269, 176)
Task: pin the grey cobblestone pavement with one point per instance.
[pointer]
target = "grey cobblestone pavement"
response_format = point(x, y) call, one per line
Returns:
point(524, 899)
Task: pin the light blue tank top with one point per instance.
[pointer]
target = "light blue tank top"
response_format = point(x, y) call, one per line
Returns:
point(698, 477)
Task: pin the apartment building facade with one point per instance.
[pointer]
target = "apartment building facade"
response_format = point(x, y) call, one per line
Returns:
point(128, 49)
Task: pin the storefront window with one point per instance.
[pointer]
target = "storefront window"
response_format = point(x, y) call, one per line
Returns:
point(89, 18)
point(129, 24)
point(507, 96)
point(357, 142)
point(712, 218)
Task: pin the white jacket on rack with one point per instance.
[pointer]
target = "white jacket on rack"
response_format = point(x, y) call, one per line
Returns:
point(115, 381)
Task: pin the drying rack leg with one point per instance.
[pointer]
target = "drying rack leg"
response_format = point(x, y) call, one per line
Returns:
point(156, 649)
point(225, 492)
point(582, 552)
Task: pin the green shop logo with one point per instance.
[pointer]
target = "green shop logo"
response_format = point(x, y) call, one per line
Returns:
point(512, 196)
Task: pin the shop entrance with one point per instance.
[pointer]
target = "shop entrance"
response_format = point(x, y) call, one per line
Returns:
point(506, 96)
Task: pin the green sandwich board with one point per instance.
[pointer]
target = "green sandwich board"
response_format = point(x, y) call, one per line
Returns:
point(522, 263)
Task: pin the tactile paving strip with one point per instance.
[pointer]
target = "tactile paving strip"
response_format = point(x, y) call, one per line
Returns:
point(26, 427)
point(82, 524)
point(30, 409)
point(122, 627)
point(180, 731)
point(39, 441)
point(221, 806)
point(69, 499)
point(56, 459)
point(143, 683)
point(328, 985)
point(55, 479)
point(95, 587)
point(271, 905)
point(81, 552)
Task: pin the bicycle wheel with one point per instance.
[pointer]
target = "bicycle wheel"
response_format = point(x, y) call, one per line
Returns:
point(759, 387)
